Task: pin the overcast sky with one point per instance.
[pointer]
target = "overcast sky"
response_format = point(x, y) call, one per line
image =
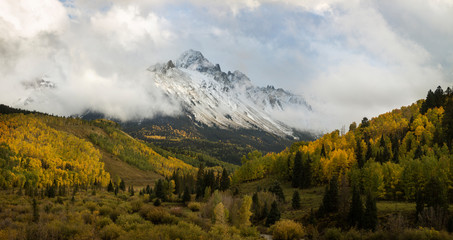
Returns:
point(349, 59)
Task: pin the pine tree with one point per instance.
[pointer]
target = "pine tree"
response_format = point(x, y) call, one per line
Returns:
point(35, 211)
point(370, 219)
point(186, 196)
point(439, 97)
point(306, 173)
point(330, 199)
point(323, 151)
point(395, 149)
point(274, 214)
point(365, 123)
point(131, 190)
point(356, 210)
point(159, 189)
point(428, 103)
point(418, 152)
point(256, 207)
point(369, 150)
point(200, 182)
point(436, 194)
point(297, 170)
point(122, 185)
point(447, 122)
point(358, 154)
point(224, 180)
point(277, 190)
point(419, 201)
point(110, 187)
point(296, 200)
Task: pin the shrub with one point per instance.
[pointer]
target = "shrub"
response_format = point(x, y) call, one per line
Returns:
point(110, 232)
point(159, 216)
point(102, 222)
point(91, 206)
point(286, 230)
point(136, 205)
point(87, 217)
point(129, 221)
point(114, 214)
point(333, 234)
point(105, 210)
point(194, 206)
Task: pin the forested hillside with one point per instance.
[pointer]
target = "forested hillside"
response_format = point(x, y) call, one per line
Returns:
point(393, 154)
point(401, 156)
point(38, 150)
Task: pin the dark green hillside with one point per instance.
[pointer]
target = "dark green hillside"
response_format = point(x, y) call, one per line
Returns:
point(180, 134)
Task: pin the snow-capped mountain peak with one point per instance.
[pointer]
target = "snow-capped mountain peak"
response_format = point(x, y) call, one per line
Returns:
point(194, 60)
point(225, 100)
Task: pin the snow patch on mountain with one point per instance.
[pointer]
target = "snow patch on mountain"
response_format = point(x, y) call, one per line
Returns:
point(224, 100)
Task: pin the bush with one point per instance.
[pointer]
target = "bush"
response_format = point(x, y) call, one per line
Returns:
point(87, 217)
point(136, 205)
point(129, 221)
point(286, 230)
point(194, 206)
point(159, 216)
point(102, 222)
point(333, 234)
point(105, 210)
point(91, 206)
point(114, 214)
point(110, 232)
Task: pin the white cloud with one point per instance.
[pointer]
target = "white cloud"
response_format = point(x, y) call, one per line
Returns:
point(129, 28)
point(349, 58)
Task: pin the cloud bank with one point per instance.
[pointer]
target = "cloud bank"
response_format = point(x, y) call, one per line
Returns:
point(350, 59)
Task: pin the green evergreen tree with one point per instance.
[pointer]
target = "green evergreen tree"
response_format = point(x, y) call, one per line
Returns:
point(418, 152)
point(323, 151)
point(306, 173)
point(370, 219)
point(439, 97)
point(131, 190)
point(256, 207)
point(274, 214)
point(436, 194)
point(296, 200)
point(186, 196)
point(447, 122)
point(35, 210)
point(224, 180)
point(157, 202)
point(277, 190)
point(369, 150)
point(365, 123)
point(395, 149)
point(200, 184)
point(297, 170)
point(428, 103)
point(110, 187)
point(159, 190)
point(419, 202)
point(122, 185)
point(359, 154)
point(356, 210)
point(330, 199)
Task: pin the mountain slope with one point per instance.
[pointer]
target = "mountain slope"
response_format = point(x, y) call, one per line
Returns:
point(224, 100)
point(394, 156)
point(39, 149)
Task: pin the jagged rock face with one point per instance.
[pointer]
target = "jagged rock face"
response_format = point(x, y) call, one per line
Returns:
point(224, 100)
